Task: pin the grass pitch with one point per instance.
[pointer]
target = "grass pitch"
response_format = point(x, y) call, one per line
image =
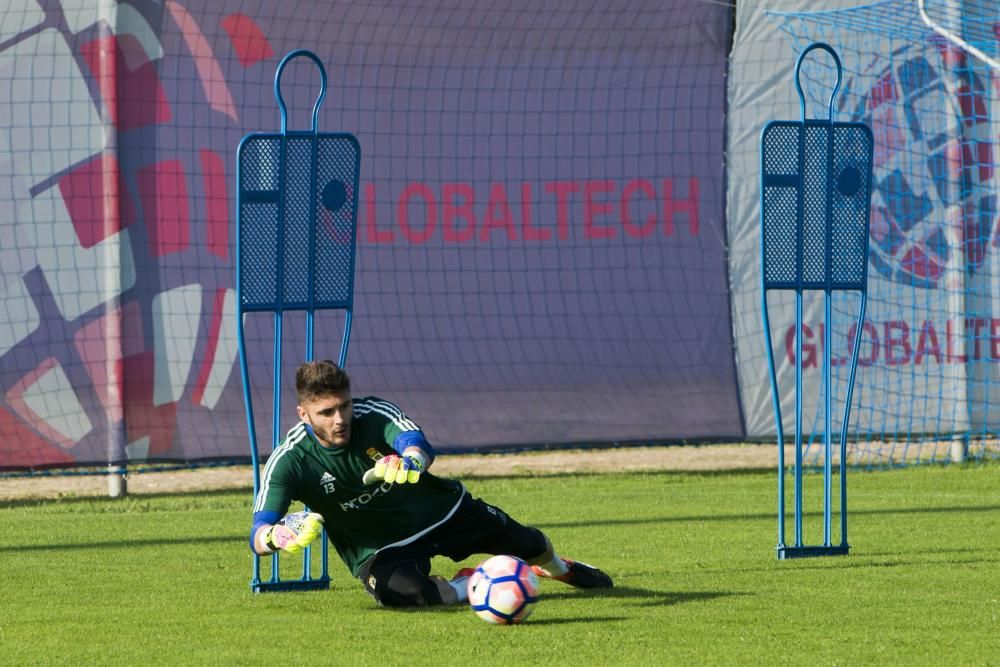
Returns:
point(164, 580)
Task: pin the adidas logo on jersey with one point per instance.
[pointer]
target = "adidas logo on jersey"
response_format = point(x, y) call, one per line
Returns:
point(326, 481)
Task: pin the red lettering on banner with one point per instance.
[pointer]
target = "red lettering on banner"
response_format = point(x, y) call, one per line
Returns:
point(450, 211)
point(562, 191)
point(834, 359)
point(927, 344)
point(672, 206)
point(892, 342)
point(867, 328)
point(949, 338)
point(528, 231)
point(595, 208)
point(649, 224)
point(498, 214)
point(592, 209)
point(403, 213)
point(374, 235)
point(977, 324)
point(808, 349)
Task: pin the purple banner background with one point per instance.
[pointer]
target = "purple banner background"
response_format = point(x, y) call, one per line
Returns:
point(541, 230)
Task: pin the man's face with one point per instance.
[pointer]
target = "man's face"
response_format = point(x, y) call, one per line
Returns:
point(330, 418)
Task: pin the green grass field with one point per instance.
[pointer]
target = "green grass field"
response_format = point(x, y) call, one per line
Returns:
point(164, 580)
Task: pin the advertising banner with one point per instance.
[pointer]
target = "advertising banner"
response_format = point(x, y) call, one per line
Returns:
point(541, 241)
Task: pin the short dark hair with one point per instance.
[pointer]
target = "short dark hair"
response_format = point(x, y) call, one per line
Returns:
point(316, 379)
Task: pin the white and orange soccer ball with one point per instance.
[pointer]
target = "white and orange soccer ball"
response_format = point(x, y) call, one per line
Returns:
point(503, 590)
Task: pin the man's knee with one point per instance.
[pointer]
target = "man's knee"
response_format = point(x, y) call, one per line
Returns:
point(404, 587)
point(531, 544)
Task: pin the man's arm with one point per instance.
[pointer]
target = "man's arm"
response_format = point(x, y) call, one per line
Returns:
point(261, 539)
point(415, 445)
point(415, 456)
point(293, 533)
point(269, 506)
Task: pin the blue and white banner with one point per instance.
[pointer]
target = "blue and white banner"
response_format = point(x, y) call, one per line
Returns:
point(931, 341)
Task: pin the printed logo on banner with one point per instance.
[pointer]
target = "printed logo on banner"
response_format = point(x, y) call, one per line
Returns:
point(933, 205)
point(154, 337)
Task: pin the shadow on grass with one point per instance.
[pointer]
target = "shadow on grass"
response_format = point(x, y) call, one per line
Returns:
point(860, 559)
point(646, 597)
point(463, 608)
point(566, 621)
point(241, 493)
point(534, 620)
point(769, 516)
point(119, 544)
point(965, 551)
point(643, 598)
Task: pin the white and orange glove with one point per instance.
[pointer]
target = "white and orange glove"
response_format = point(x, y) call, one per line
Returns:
point(395, 469)
point(294, 532)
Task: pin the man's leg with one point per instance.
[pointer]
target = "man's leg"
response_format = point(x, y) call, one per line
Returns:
point(478, 527)
point(575, 573)
point(400, 578)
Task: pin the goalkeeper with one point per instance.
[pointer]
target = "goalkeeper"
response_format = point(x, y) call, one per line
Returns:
point(361, 466)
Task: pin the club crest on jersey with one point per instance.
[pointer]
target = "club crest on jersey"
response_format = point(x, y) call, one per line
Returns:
point(326, 481)
point(373, 454)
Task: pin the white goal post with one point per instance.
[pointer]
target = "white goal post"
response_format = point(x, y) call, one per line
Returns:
point(955, 9)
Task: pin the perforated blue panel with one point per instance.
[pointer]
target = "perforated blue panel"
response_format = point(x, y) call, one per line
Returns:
point(298, 210)
point(815, 199)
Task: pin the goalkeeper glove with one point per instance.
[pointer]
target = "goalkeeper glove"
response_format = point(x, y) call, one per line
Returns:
point(395, 469)
point(295, 532)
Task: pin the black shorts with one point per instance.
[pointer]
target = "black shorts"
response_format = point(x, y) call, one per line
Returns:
point(476, 527)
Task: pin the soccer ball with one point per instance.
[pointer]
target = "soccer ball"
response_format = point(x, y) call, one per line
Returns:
point(503, 590)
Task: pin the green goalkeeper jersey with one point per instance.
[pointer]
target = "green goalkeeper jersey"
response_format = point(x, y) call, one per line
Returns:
point(360, 519)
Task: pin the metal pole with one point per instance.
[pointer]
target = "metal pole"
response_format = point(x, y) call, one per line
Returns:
point(117, 481)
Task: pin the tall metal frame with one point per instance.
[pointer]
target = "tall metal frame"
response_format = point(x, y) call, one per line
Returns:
point(296, 237)
point(815, 210)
